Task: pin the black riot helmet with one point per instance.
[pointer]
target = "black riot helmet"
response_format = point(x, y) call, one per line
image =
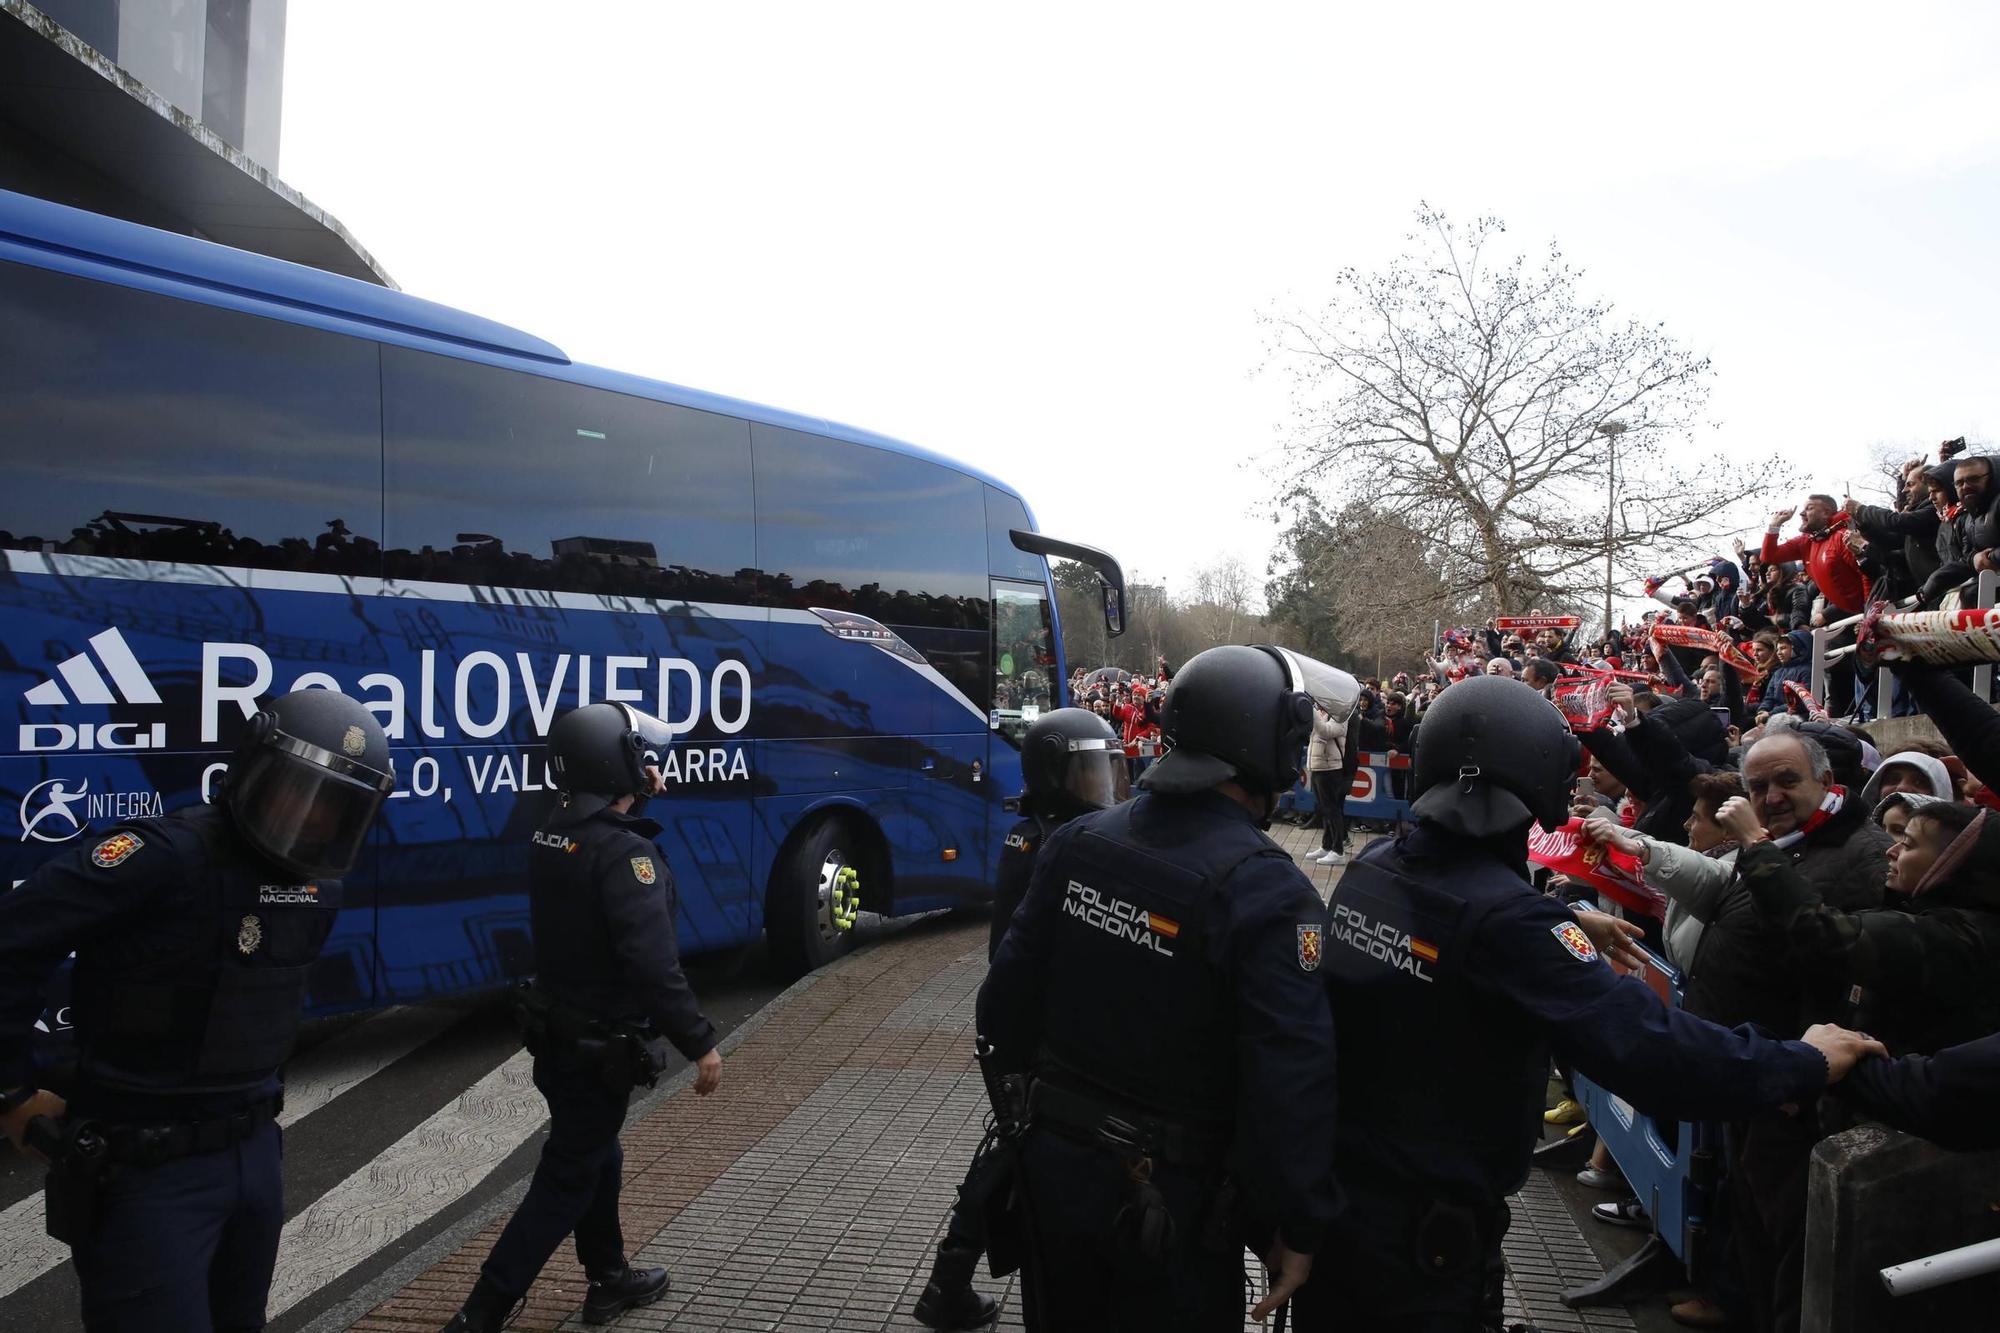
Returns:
point(1245, 713)
point(1493, 754)
point(600, 752)
point(1072, 762)
point(308, 781)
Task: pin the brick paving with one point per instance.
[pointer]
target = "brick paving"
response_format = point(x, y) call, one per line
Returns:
point(809, 1192)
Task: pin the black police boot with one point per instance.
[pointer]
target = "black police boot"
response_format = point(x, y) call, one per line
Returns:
point(949, 1301)
point(614, 1294)
point(486, 1310)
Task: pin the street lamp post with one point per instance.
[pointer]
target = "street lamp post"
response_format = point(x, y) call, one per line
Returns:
point(1610, 430)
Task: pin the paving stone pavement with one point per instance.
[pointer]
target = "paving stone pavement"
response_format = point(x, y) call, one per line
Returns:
point(810, 1191)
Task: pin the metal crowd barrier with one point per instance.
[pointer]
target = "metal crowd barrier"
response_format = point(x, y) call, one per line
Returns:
point(1937, 1270)
point(1885, 681)
point(1674, 1169)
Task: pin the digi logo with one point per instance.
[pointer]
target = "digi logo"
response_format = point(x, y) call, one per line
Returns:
point(78, 680)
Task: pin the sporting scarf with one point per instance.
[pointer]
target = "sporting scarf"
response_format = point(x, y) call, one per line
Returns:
point(1829, 806)
point(1799, 697)
point(1940, 638)
point(1708, 640)
point(1949, 512)
point(1529, 624)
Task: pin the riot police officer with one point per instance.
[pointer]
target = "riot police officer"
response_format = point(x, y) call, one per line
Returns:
point(1158, 992)
point(1071, 763)
point(608, 988)
point(1452, 980)
point(193, 934)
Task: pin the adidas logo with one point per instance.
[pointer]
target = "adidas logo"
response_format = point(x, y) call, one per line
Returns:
point(78, 680)
point(87, 687)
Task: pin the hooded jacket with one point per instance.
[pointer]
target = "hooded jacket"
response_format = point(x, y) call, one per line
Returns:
point(1934, 771)
point(1799, 670)
point(1961, 537)
point(1921, 973)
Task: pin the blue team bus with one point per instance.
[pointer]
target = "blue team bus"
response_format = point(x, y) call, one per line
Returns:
point(228, 477)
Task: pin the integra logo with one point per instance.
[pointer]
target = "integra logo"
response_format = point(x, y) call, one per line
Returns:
point(52, 812)
point(85, 684)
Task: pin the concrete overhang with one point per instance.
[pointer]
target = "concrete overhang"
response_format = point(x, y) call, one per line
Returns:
point(59, 90)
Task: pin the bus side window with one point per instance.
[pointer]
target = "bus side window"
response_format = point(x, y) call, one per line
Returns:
point(147, 427)
point(502, 478)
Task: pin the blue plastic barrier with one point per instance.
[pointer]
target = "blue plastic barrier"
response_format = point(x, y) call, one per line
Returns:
point(1673, 1168)
point(1370, 798)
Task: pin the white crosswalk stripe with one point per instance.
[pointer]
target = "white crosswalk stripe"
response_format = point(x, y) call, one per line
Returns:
point(324, 1073)
point(424, 1172)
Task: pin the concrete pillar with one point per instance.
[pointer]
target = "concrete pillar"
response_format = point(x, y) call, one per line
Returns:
point(1877, 1197)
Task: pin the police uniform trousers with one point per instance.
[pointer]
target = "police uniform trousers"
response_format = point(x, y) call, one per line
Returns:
point(1396, 1260)
point(1081, 1273)
point(575, 1187)
point(186, 1246)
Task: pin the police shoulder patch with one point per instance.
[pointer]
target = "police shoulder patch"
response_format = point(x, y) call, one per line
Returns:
point(1309, 948)
point(642, 869)
point(118, 847)
point(1571, 937)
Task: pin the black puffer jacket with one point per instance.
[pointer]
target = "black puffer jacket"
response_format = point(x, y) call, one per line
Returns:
point(1958, 542)
point(1743, 971)
point(1926, 968)
point(1656, 759)
point(1913, 533)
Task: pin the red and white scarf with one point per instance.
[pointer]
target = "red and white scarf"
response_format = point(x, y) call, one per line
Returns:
point(1829, 806)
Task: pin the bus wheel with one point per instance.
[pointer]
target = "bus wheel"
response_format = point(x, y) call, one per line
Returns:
point(815, 898)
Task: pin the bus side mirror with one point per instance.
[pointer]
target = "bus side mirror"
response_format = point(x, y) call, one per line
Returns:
point(1106, 565)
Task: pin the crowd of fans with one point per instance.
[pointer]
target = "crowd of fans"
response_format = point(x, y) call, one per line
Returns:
point(1130, 704)
point(1797, 874)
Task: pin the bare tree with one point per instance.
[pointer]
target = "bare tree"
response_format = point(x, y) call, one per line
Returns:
point(1228, 590)
point(1518, 427)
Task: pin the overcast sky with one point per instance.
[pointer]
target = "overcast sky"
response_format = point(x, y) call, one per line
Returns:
point(1037, 237)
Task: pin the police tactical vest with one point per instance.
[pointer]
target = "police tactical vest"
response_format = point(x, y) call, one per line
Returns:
point(1012, 874)
point(1439, 1082)
point(210, 1001)
point(569, 860)
point(1136, 1006)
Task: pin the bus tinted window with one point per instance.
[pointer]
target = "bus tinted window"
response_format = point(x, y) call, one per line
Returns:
point(1004, 514)
point(497, 477)
point(892, 537)
point(145, 427)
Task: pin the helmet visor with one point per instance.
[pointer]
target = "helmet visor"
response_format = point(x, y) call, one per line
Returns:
point(653, 735)
point(1096, 774)
point(1330, 687)
point(304, 815)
